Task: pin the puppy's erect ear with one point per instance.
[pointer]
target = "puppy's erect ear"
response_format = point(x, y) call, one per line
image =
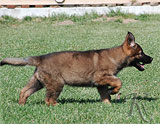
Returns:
point(130, 39)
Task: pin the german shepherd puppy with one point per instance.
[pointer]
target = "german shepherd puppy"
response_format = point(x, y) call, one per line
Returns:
point(95, 68)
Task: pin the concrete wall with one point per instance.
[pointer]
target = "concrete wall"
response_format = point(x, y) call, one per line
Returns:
point(46, 12)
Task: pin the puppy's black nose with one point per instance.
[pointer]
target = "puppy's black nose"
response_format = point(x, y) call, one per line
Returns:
point(151, 59)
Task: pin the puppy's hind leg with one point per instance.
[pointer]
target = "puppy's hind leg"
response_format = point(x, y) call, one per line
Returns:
point(53, 91)
point(33, 85)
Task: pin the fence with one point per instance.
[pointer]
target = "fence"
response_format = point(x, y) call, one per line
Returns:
point(73, 3)
point(46, 8)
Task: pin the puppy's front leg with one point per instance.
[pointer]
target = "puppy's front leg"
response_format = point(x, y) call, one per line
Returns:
point(103, 92)
point(106, 81)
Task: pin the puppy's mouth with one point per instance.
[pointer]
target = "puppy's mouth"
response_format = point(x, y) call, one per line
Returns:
point(140, 66)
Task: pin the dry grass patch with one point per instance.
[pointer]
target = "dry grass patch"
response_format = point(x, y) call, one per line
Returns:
point(66, 22)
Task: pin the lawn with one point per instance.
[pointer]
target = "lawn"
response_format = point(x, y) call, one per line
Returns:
point(79, 105)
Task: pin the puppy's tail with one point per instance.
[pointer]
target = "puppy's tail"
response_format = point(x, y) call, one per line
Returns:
point(32, 61)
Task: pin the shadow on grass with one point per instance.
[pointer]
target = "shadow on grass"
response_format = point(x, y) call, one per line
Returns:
point(61, 101)
point(85, 101)
point(72, 100)
point(146, 98)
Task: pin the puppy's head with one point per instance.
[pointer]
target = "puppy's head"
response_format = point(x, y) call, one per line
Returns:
point(136, 56)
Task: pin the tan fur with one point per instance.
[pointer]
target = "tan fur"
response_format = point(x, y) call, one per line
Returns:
point(95, 68)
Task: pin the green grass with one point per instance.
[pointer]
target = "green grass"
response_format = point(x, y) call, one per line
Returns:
point(36, 36)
